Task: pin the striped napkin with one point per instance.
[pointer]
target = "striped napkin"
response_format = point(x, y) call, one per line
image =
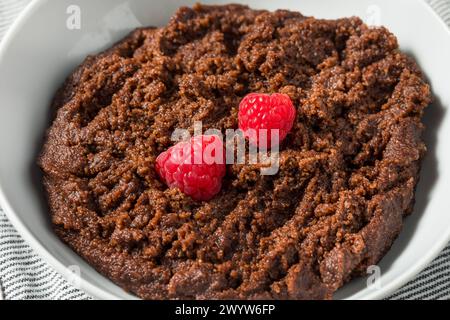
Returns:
point(24, 275)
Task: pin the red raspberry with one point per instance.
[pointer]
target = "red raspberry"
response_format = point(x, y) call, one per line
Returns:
point(263, 111)
point(196, 167)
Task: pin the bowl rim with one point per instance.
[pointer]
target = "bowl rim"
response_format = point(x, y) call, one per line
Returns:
point(99, 293)
point(26, 234)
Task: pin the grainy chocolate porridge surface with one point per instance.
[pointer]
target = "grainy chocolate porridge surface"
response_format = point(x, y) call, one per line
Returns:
point(348, 168)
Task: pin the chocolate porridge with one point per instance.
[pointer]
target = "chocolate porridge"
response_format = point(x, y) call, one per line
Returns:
point(348, 168)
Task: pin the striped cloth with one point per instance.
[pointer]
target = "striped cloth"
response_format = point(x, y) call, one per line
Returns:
point(24, 275)
point(9, 9)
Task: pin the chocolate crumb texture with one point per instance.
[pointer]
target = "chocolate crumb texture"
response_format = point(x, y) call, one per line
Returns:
point(348, 168)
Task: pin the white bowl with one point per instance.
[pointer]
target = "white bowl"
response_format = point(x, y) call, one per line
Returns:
point(40, 51)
